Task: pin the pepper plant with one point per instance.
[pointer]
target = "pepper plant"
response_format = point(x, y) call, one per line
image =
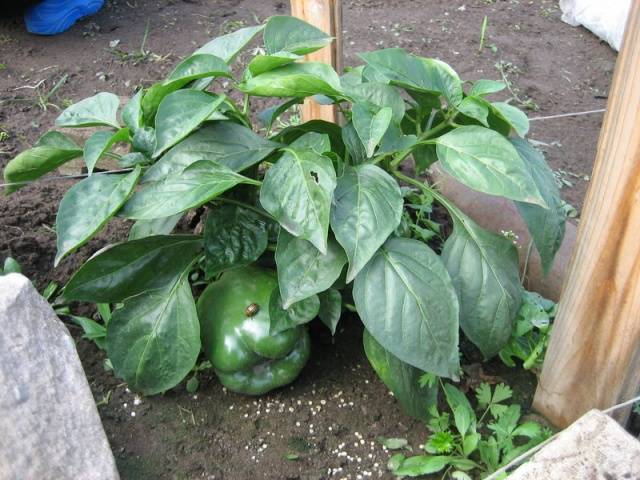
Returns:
point(468, 442)
point(343, 213)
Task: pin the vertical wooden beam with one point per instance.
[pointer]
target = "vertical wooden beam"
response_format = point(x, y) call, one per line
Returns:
point(327, 16)
point(593, 359)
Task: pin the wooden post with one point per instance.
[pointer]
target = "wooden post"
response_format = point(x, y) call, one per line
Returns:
point(593, 359)
point(327, 16)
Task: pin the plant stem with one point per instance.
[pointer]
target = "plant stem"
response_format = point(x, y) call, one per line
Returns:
point(421, 139)
point(431, 118)
point(444, 201)
point(526, 263)
point(416, 183)
point(245, 205)
point(243, 116)
point(426, 188)
point(112, 155)
point(143, 52)
point(246, 104)
point(419, 118)
point(484, 414)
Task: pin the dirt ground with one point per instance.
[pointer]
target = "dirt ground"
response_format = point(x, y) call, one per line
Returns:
point(328, 421)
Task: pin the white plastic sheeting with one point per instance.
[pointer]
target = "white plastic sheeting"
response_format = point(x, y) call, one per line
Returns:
point(605, 18)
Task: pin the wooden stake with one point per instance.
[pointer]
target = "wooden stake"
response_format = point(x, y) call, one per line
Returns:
point(593, 359)
point(327, 16)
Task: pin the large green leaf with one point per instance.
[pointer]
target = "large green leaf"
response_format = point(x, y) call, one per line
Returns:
point(319, 142)
point(263, 63)
point(153, 341)
point(353, 144)
point(330, 308)
point(226, 143)
point(144, 140)
point(157, 226)
point(302, 270)
point(370, 127)
point(294, 80)
point(416, 74)
point(290, 34)
point(132, 112)
point(87, 206)
point(299, 313)
point(515, 117)
point(376, 96)
point(179, 114)
point(297, 191)
point(199, 183)
point(51, 151)
point(476, 108)
point(424, 156)
point(130, 268)
point(401, 378)
point(98, 144)
point(132, 159)
point(228, 46)
point(447, 80)
point(546, 225)
point(58, 140)
point(99, 110)
point(290, 134)
point(233, 236)
point(484, 269)
point(406, 300)
point(394, 140)
point(367, 208)
point(196, 66)
point(352, 77)
point(486, 161)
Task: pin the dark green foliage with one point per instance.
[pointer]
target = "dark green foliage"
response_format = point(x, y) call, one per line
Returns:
point(327, 206)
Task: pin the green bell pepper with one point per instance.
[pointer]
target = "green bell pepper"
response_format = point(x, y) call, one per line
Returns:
point(234, 324)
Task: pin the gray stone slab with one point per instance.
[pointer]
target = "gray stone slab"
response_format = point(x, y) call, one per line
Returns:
point(594, 447)
point(49, 423)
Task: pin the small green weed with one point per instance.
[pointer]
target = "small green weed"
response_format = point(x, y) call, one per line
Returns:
point(530, 338)
point(506, 69)
point(229, 26)
point(139, 56)
point(464, 440)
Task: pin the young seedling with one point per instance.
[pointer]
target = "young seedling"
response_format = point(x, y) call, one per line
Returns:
point(462, 444)
point(141, 55)
point(505, 68)
point(44, 97)
point(483, 31)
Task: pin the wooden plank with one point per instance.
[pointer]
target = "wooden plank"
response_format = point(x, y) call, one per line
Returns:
point(327, 16)
point(593, 359)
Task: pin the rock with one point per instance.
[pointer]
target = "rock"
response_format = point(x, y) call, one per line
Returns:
point(595, 446)
point(49, 423)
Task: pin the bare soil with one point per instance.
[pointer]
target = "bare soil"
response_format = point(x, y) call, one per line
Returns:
point(330, 418)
